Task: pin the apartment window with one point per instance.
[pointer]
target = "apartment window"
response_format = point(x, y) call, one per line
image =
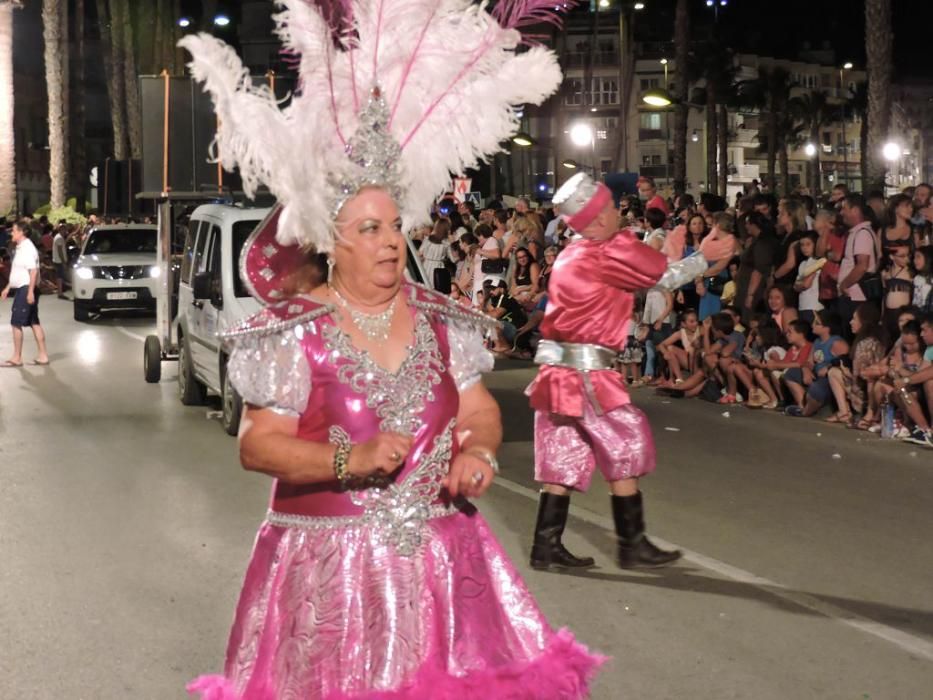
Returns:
point(651, 120)
point(605, 166)
point(649, 84)
point(573, 94)
point(651, 159)
point(605, 91)
point(611, 123)
point(827, 138)
point(601, 134)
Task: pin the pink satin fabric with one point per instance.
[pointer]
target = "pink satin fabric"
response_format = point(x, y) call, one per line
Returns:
point(393, 601)
point(590, 299)
point(340, 618)
point(568, 449)
point(348, 409)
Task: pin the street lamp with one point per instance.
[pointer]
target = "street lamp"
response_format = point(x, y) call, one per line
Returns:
point(657, 98)
point(639, 6)
point(604, 3)
point(891, 151)
point(523, 139)
point(184, 22)
point(570, 164)
point(222, 20)
point(581, 134)
point(810, 150)
point(695, 136)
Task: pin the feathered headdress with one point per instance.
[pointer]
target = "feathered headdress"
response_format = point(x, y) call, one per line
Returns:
point(398, 93)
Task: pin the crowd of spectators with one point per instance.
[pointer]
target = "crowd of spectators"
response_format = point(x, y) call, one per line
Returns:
point(499, 260)
point(825, 311)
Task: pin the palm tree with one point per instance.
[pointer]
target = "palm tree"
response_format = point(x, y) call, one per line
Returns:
point(716, 65)
point(7, 132)
point(857, 105)
point(130, 79)
point(113, 69)
point(79, 170)
point(770, 93)
point(681, 53)
point(791, 135)
point(815, 111)
point(55, 83)
point(878, 49)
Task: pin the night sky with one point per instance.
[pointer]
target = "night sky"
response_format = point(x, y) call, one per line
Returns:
point(779, 28)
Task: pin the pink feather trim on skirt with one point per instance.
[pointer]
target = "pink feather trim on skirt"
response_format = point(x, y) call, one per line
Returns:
point(562, 672)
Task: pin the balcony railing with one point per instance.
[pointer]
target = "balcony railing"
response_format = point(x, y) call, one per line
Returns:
point(744, 136)
point(659, 171)
point(651, 134)
point(579, 59)
point(746, 171)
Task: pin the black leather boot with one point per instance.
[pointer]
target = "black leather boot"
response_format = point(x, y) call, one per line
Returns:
point(635, 550)
point(547, 550)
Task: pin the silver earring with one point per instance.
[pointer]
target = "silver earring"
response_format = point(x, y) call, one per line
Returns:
point(330, 269)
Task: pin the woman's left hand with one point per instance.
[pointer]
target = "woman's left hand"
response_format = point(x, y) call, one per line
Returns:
point(462, 479)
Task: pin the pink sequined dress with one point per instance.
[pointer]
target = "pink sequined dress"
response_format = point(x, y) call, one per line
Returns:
point(387, 590)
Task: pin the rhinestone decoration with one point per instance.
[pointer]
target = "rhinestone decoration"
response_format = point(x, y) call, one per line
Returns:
point(398, 398)
point(373, 153)
point(373, 326)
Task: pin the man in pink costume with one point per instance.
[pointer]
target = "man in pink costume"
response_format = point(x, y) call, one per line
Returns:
point(583, 415)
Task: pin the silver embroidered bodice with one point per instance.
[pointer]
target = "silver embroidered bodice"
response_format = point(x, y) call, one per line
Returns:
point(313, 371)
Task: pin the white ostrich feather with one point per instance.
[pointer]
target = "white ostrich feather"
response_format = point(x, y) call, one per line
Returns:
point(450, 76)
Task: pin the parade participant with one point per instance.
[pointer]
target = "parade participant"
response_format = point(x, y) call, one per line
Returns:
point(583, 415)
point(372, 575)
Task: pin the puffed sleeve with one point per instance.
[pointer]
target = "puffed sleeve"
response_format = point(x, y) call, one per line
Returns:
point(271, 371)
point(469, 358)
point(629, 264)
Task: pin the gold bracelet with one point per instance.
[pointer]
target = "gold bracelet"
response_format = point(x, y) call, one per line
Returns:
point(341, 462)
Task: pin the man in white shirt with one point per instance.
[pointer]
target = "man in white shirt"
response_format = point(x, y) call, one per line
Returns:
point(59, 258)
point(24, 286)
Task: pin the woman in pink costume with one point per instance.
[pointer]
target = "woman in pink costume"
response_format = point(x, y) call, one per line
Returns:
point(372, 575)
point(584, 419)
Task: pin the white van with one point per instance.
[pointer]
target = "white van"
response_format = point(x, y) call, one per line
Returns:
point(216, 234)
point(212, 298)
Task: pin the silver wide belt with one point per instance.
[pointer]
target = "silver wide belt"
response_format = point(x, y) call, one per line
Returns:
point(585, 357)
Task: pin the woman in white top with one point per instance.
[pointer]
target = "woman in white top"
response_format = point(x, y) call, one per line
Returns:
point(433, 251)
point(807, 284)
point(488, 250)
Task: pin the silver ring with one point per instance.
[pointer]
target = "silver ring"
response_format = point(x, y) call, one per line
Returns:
point(395, 457)
point(478, 477)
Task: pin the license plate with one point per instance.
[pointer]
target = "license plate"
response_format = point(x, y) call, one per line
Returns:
point(120, 296)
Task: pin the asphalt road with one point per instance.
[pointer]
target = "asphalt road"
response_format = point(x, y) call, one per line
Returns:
point(126, 523)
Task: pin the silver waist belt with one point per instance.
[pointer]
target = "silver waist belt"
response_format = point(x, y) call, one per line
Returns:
point(585, 357)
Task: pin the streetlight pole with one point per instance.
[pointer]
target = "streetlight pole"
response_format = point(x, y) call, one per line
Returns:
point(845, 142)
point(667, 131)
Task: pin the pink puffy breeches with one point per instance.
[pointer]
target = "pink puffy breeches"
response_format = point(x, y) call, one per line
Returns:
point(568, 449)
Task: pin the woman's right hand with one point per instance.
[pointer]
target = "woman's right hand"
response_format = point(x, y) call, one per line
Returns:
point(383, 454)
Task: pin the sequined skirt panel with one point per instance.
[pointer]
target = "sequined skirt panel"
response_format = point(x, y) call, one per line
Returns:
point(568, 449)
point(330, 613)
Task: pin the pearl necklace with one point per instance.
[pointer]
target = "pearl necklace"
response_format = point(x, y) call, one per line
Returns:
point(373, 326)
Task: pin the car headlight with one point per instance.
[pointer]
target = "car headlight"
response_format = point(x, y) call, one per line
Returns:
point(155, 271)
point(84, 273)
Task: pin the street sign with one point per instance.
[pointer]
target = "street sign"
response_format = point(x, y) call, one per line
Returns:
point(475, 197)
point(461, 188)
